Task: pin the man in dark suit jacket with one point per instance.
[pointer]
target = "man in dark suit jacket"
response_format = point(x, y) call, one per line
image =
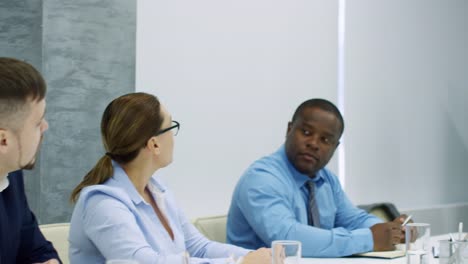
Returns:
point(22, 124)
point(21, 240)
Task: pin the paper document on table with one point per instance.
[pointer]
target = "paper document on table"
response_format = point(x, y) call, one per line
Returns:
point(383, 254)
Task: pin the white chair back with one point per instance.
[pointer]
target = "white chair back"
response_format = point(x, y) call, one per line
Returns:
point(58, 235)
point(213, 227)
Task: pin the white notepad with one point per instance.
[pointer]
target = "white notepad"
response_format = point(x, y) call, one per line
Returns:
point(383, 254)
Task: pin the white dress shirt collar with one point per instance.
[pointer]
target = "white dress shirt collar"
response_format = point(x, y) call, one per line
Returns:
point(4, 182)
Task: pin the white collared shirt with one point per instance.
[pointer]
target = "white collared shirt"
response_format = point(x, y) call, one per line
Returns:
point(4, 182)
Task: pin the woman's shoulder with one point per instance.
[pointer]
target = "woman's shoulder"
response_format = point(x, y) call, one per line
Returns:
point(102, 193)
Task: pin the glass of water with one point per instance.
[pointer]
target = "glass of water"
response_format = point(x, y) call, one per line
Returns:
point(453, 252)
point(286, 251)
point(418, 245)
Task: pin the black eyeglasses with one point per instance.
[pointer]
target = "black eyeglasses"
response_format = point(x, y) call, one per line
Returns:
point(176, 126)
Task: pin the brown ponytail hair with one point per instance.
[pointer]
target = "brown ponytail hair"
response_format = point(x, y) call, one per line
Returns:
point(127, 124)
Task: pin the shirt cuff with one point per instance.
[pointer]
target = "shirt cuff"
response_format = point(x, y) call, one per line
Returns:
point(232, 260)
point(239, 260)
point(366, 241)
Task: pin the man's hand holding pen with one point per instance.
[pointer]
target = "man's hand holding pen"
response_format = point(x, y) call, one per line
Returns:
point(387, 235)
point(403, 220)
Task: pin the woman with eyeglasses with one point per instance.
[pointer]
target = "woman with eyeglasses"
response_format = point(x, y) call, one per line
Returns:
point(123, 212)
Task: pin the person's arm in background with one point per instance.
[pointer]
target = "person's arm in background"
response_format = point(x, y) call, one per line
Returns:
point(34, 248)
point(264, 202)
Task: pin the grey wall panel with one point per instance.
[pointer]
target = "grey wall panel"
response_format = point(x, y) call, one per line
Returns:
point(86, 51)
point(88, 59)
point(407, 135)
point(20, 30)
point(443, 219)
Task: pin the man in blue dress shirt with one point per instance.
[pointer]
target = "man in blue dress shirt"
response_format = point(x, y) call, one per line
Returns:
point(22, 123)
point(272, 199)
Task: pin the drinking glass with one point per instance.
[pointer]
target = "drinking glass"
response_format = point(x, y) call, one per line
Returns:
point(286, 251)
point(453, 252)
point(418, 243)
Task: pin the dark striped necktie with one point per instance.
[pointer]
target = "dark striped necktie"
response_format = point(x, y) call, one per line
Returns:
point(313, 214)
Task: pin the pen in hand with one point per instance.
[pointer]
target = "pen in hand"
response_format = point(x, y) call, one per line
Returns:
point(406, 220)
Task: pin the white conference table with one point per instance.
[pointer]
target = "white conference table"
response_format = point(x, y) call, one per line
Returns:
point(365, 260)
point(401, 260)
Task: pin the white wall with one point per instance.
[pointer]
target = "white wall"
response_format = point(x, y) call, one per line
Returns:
point(406, 103)
point(232, 72)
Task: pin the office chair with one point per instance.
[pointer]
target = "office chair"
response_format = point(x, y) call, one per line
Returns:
point(385, 211)
point(213, 227)
point(58, 235)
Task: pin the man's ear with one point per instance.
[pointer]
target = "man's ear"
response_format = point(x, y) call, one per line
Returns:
point(335, 147)
point(289, 128)
point(4, 141)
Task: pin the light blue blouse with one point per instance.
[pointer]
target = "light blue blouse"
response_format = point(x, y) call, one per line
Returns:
point(112, 221)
